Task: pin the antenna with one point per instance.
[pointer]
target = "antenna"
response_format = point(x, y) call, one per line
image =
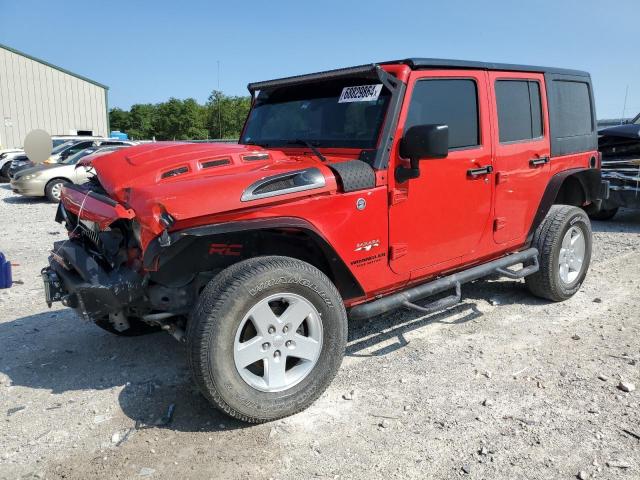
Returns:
point(624, 106)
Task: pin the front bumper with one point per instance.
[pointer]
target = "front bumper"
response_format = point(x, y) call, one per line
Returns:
point(78, 281)
point(30, 188)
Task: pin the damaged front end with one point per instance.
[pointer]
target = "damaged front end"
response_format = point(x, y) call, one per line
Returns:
point(77, 279)
point(98, 270)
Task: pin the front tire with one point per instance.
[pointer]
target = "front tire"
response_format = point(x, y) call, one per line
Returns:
point(53, 189)
point(4, 172)
point(266, 338)
point(564, 242)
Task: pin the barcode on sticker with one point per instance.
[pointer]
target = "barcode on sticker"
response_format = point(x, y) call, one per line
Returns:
point(360, 93)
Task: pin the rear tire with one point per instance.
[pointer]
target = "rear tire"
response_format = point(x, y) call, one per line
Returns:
point(53, 189)
point(564, 241)
point(249, 326)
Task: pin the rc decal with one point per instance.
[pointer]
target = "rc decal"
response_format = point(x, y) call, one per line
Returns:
point(225, 249)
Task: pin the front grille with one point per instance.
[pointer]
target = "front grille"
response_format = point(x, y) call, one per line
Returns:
point(91, 234)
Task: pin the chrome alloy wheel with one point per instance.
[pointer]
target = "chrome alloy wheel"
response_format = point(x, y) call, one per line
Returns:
point(56, 190)
point(571, 255)
point(278, 342)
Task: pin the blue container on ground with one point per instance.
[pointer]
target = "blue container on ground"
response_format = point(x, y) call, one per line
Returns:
point(5, 272)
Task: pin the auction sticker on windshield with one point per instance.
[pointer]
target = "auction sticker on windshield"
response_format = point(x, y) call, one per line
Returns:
point(360, 93)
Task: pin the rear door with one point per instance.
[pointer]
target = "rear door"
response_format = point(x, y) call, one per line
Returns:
point(522, 152)
point(441, 216)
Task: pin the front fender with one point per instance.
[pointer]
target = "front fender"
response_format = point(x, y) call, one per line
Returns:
point(203, 240)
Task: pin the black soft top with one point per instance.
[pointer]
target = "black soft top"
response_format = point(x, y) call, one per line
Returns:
point(426, 63)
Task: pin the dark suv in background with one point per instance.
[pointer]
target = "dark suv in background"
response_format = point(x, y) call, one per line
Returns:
point(620, 149)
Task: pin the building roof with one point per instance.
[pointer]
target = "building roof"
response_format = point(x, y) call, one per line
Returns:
point(63, 70)
point(415, 64)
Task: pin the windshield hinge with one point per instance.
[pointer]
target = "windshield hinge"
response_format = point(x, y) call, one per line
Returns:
point(398, 195)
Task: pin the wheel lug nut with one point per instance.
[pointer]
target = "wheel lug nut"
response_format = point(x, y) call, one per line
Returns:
point(289, 343)
point(285, 329)
point(265, 346)
point(276, 354)
point(272, 329)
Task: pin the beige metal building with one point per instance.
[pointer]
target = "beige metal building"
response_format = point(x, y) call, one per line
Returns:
point(36, 94)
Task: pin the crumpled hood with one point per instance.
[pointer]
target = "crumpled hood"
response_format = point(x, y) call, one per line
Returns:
point(190, 180)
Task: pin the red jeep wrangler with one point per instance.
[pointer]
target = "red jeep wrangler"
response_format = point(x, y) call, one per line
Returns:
point(352, 192)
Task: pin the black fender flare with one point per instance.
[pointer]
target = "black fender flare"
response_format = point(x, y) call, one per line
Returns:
point(345, 281)
point(590, 179)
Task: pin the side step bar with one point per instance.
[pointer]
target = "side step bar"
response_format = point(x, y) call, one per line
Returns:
point(409, 296)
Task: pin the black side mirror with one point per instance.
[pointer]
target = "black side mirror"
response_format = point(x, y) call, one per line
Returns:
point(422, 141)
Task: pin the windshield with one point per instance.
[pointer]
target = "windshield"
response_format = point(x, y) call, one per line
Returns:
point(344, 113)
point(75, 158)
point(59, 141)
point(62, 147)
point(636, 121)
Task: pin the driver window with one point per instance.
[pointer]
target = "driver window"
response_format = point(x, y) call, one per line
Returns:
point(452, 102)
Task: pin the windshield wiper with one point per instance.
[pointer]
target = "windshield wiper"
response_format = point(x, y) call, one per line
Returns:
point(308, 144)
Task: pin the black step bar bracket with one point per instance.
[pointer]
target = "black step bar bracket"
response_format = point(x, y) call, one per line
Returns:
point(523, 272)
point(441, 304)
point(407, 298)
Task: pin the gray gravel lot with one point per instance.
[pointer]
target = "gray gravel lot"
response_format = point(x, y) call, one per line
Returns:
point(502, 386)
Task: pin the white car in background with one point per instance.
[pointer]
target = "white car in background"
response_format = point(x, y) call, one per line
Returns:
point(47, 180)
point(6, 156)
point(63, 146)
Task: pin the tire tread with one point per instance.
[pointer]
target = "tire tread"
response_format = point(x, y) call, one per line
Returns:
point(544, 283)
point(221, 288)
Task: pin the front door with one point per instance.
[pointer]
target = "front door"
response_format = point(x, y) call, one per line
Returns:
point(522, 152)
point(441, 216)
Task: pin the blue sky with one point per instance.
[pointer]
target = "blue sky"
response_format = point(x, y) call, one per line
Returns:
point(148, 51)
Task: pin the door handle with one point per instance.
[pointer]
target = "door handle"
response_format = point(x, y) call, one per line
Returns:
point(477, 172)
point(536, 162)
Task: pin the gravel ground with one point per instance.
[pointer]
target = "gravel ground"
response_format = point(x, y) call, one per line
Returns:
point(502, 386)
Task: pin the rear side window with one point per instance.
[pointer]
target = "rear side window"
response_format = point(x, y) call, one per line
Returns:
point(452, 102)
point(575, 104)
point(519, 110)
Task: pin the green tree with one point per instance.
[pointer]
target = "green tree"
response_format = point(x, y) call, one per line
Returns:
point(141, 121)
point(221, 117)
point(226, 114)
point(179, 120)
point(119, 119)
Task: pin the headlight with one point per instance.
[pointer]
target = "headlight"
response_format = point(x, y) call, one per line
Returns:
point(30, 176)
